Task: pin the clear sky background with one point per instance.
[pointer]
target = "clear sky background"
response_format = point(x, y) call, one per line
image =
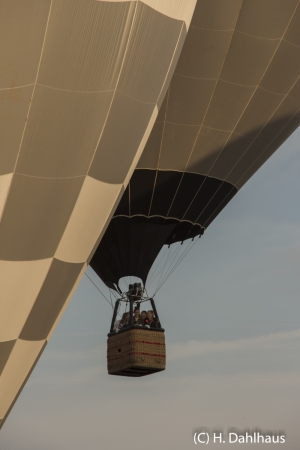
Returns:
point(231, 312)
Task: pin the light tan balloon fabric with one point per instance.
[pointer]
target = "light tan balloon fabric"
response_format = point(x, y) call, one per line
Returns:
point(80, 86)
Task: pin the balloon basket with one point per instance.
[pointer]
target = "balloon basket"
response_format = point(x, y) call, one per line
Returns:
point(136, 352)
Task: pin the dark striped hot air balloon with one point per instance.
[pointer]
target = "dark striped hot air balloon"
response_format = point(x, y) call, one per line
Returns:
point(233, 100)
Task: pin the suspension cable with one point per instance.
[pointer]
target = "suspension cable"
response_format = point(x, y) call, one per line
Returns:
point(172, 256)
point(161, 257)
point(187, 250)
point(110, 303)
point(161, 273)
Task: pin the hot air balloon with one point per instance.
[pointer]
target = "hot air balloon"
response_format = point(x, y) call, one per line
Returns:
point(233, 100)
point(81, 82)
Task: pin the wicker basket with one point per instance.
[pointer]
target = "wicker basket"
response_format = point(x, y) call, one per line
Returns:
point(136, 352)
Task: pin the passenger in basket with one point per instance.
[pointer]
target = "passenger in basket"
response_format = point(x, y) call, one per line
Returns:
point(137, 320)
point(119, 324)
point(151, 321)
point(144, 315)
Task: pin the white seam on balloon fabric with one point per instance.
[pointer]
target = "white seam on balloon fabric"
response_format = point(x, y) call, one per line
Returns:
point(16, 87)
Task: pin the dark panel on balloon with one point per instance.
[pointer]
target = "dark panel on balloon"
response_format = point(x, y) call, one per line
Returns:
point(110, 255)
point(51, 299)
point(123, 206)
point(141, 189)
point(183, 231)
point(206, 192)
point(167, 183)
point(131, 244)
point(189, 186)
point(5, 351)
point(129, 247)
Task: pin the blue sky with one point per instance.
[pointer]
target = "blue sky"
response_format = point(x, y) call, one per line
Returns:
point(231, 313)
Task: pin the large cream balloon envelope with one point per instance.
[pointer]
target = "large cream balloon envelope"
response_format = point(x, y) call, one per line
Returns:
point(81, 82)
